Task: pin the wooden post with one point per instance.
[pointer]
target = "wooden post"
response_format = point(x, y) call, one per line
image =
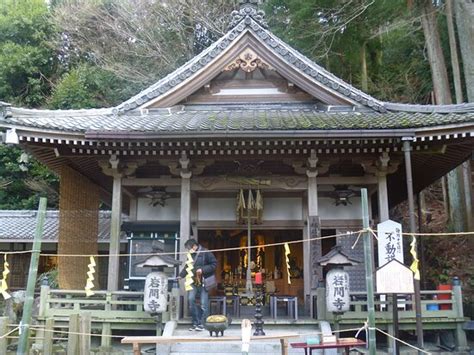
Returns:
point(85, 336)
point(73, 338)
point(284, 346)
point(461, 340)
point(32, 273)
point(396, 348)
point(106, 340)
point(3, 330)
point(115, 222)
point(411, 211)
point(136, 349)
point(43, 305)
point(369, 274)
point(48, 337)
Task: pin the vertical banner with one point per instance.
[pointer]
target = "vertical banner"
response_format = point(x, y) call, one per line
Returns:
point(390, 242)
point(156, 292)
point(337, 291)
point(314, 229)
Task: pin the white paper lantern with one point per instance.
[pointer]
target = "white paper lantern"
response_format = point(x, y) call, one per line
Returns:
point(156, 292)
point(337, 291)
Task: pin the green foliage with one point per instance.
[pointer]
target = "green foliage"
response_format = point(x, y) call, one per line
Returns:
point(333, 33)
point(17, 176)
point(88, 86)
point(26, 60)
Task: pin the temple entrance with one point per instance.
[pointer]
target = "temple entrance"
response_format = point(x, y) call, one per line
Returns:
point(269, 260)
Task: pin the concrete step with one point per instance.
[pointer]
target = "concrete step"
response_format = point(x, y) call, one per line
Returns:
point(269, 347)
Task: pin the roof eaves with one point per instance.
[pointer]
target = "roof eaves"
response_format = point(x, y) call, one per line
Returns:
point(456, 108)
point(295, 133)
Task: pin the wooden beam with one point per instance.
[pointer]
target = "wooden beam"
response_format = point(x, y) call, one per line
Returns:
point(294, 182)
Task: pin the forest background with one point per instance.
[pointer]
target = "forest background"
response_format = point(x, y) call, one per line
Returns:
point(70, 54)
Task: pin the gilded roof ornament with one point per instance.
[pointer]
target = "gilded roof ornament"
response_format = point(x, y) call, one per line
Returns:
point(248, 61)
point(248, 9)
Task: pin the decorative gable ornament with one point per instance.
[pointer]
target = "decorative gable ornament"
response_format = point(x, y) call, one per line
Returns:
point(248, 61)
point(248, 9)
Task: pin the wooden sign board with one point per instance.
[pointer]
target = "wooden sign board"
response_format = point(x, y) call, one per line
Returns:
point(394, 277)
point(337, 291)
point(155, 294)
point(390, 243)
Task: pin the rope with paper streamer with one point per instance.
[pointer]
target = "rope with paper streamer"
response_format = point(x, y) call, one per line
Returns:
point(90, 277)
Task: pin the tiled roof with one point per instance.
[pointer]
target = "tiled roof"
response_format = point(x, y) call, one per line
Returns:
point(20, 226)
point(192, 121)
point(291, 56)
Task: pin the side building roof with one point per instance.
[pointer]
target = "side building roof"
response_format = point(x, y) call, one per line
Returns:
point(18, 226)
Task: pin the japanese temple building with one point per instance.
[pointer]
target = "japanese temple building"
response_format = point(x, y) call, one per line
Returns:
point(248, 113)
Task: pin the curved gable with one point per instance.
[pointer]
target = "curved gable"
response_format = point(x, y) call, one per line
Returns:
point(249, 35)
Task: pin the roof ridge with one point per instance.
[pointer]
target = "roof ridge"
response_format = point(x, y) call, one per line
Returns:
point(82, 112)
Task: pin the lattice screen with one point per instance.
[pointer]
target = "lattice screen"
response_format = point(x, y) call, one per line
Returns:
point(78, 227)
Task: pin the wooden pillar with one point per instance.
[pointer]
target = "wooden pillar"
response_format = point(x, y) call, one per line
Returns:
point(313, 248)
point(115, 223)
point(381, 170)
point(382, 194)
point(185, 215)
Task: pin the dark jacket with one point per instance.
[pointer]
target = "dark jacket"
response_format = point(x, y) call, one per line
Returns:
point(204, 260)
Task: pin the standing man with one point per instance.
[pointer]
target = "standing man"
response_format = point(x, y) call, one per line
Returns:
point(204, 267)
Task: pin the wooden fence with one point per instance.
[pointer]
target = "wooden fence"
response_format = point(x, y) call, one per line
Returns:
point(449, 314)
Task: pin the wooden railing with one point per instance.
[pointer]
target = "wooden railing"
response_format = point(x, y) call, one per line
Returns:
point(108, 310)
point(449, 309)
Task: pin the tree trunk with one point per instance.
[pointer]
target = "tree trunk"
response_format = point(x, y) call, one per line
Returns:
point(460, 170)
point(439, 73)
point(442, 93)
point(464, 11)
point(454, 52)
point(363, 68)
